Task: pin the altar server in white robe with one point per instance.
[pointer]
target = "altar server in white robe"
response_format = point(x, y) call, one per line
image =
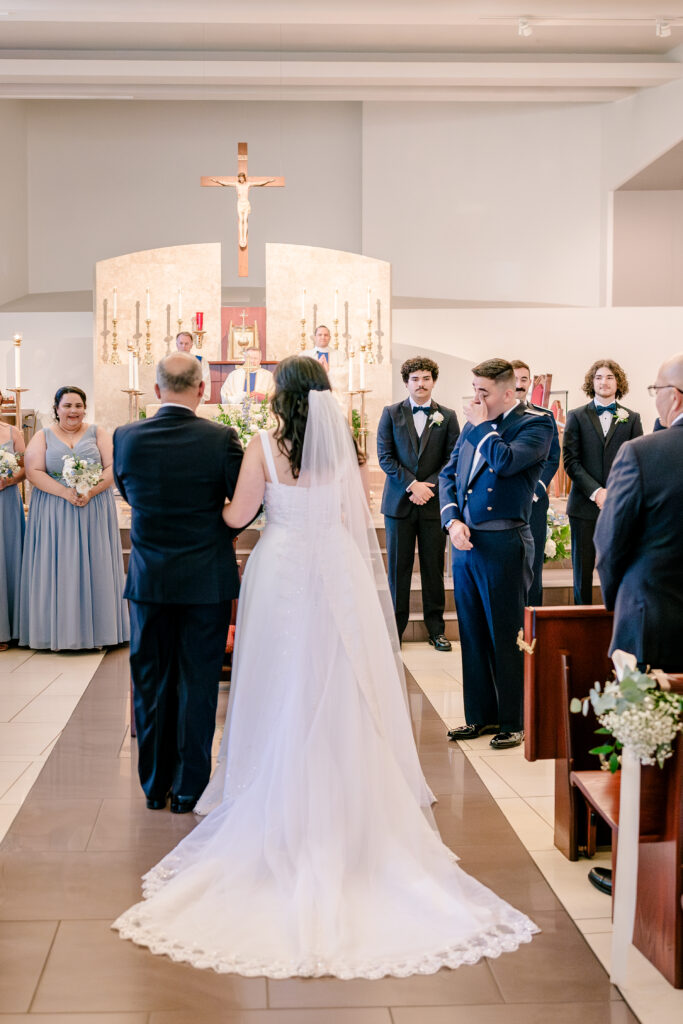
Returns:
point(250, 379)
point(184, 342)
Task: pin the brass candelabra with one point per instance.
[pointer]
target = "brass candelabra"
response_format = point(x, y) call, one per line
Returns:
point(149, 358)
point(302, 339)
point(115, 358)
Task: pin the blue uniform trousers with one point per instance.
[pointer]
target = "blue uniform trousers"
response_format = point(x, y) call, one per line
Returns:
point(539, 531)
point(491, 583)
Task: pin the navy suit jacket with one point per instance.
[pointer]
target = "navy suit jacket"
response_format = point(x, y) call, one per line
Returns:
point(513, 455)
point(588, 454)
point(551, 464)
point(639, 544)
point(405, 457)
point(175, 471)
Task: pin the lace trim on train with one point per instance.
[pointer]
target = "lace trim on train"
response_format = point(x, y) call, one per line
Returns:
point(515, 928)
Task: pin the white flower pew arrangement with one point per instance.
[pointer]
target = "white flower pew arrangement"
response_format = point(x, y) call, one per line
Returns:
point(637, 710)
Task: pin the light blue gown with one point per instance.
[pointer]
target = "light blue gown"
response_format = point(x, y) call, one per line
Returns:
point(72, 571)
point(12, 527)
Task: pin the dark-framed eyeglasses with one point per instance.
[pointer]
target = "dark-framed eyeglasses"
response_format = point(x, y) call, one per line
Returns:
point(654, 388)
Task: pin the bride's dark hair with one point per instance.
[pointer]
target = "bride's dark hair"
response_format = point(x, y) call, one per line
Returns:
point(294, 377)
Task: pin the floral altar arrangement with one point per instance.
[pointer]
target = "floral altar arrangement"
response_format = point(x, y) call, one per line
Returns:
point(247, 418)
point(81, 474)
point(637, 710)
point(9, 464)
point(557, 538)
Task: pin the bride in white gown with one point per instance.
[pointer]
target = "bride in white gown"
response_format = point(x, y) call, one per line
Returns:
point(319, 854)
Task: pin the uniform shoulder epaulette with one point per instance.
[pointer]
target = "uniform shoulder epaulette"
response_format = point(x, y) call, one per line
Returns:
point(537, 410)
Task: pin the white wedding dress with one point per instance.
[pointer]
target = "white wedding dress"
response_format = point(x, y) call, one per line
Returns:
point(319, 854)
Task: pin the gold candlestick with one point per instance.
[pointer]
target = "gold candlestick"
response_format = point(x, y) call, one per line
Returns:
point(114, 359)
point(363, 431)
point(302, 342)
point(149, 358)
point(336, 332)
point(198, 338)
point(368, 344)
point(180, 325)
point(133, 403)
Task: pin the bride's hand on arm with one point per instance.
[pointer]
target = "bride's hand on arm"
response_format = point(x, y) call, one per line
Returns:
point(251, 485)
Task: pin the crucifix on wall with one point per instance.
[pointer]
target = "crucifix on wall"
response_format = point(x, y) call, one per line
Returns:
point(242, 183)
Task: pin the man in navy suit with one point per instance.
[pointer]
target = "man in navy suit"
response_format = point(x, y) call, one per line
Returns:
point(639, 539)
point(414, 441)
point(175, 471)
point(486, 493)
point(593, 435)
point(539, 508)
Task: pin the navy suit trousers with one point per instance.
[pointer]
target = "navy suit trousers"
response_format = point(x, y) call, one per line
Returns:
point(491, 583)
point(539, 530)
point(176, 655)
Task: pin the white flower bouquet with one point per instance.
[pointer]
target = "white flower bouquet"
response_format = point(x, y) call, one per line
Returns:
point(9, 464)
point(557, 538)
point(637, 710)
point(81, 474)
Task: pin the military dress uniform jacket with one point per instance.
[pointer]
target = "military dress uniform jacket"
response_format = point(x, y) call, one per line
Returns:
point(513, 452)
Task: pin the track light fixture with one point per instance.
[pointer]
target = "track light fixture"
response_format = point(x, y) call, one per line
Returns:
point(524, 28)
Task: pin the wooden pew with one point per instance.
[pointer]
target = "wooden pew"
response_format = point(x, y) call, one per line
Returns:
point(584, 631)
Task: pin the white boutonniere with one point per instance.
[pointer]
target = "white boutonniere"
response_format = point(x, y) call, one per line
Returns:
point(436, 419)
point(621, 415)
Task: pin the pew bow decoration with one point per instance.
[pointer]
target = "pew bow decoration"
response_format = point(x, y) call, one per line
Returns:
point(643, 717)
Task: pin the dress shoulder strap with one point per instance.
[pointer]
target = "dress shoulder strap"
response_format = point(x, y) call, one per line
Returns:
point(268, 452)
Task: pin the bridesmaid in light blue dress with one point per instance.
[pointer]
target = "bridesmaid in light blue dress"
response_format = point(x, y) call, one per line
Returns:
point(11, 539)
point(72, 571)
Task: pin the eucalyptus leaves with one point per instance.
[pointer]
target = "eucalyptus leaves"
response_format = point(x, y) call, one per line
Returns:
point(636, 711)
point(247, 418)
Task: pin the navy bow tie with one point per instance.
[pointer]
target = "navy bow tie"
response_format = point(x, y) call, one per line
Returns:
point(605, 408)
point(426, 409)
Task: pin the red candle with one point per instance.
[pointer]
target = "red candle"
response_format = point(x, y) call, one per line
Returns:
point(199, 320)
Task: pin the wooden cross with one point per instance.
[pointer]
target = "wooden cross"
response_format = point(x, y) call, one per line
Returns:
point(242, 183)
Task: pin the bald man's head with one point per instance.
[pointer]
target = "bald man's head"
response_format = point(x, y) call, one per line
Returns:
point(669, 393)
point(179, 379)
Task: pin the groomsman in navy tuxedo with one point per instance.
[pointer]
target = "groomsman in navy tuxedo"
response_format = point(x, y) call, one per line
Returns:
point(486, 493)
point(539, 508)
point(638, 536)
point(176, 470)
point(593, 435)
point(414, 441)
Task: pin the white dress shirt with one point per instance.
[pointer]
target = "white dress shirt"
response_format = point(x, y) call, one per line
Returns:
point(419, 418)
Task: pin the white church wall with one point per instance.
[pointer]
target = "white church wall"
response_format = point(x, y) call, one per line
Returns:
point(638, 130)
point(564, 342)
point(116, 177)
point(13, 201)
point(485, 202)
point(56, 350)
point(648, 248)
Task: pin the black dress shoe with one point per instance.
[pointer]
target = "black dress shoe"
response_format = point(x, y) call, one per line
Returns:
point(154, 804)
point(503, 740)
point(601, 878)
point(440, 642)
point(182, 804)
point(470, 732)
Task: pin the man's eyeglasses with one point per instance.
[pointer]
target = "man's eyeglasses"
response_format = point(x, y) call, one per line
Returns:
point(654, 388)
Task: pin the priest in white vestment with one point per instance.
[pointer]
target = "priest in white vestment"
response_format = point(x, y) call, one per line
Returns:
point(329, 357)
point(250, 380)
point(184, 342)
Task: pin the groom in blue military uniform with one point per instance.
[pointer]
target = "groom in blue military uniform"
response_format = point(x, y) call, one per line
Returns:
point(486, 492)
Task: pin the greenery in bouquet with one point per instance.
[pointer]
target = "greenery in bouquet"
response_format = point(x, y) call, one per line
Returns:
point(9, 464)
point(247, 418)
point(355, 423)
point(636, 710)
point(557, 537)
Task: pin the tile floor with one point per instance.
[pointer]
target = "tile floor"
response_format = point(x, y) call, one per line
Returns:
point(74, 852)
point(524, 792)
